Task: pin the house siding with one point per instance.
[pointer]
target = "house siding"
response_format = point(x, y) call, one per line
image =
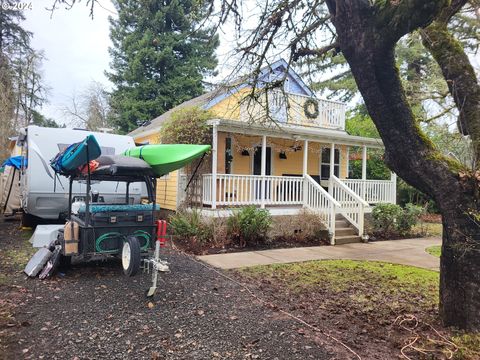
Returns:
point(166, 196)
point(242, 165)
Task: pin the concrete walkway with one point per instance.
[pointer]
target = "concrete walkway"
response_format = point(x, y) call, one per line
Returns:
point(406, 252)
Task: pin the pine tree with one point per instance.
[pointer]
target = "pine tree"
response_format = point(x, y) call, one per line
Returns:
point(159, 57)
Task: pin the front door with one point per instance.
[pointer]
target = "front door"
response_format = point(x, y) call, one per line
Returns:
point(257, 161)
point(257, 170)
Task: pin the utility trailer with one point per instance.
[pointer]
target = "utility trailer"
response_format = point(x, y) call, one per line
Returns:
point(98, 228)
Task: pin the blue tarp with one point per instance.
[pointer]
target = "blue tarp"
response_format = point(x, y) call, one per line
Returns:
point(15, 161)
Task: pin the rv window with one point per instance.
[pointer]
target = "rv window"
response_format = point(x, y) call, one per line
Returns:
point(105, 150)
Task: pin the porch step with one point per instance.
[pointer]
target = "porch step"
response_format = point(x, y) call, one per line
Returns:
point(344, 231)
point(341, 224)
point(347, 239)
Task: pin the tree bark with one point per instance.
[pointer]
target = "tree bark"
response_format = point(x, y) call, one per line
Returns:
point(459, 74)
point(368, 46)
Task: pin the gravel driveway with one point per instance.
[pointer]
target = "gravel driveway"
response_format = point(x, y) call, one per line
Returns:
point(95, 312)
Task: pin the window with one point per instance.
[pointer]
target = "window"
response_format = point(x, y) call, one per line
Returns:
point(325, 165)
point(228, 155)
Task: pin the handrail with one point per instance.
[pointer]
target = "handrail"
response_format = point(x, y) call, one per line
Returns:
point(373, 191)
point(352, 205)
point(348, 190)
point(318, 199)
point(322, 190)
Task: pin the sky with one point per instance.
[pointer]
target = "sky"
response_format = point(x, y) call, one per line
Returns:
point(76, 49)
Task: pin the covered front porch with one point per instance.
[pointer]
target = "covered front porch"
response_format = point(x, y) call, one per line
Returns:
point(288, 171)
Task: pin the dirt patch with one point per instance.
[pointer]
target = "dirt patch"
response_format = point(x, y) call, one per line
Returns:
point(376, 309)
point(93, 311)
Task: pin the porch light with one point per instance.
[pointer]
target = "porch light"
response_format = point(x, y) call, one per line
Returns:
point(245, 153)
point(282, 155)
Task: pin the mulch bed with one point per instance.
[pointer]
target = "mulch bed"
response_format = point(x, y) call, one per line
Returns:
point(231, 248)
point(93, 312)
point(431, 218)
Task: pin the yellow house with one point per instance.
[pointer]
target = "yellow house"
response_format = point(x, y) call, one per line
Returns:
point(283, 150)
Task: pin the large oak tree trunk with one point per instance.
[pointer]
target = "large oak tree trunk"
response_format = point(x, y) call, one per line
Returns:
point(460, 270)
point(367, 39)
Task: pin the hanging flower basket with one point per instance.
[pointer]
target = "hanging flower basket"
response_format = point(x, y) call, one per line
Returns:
point(310, 108)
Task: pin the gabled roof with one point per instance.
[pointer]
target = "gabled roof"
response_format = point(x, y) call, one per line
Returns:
point(210, 99)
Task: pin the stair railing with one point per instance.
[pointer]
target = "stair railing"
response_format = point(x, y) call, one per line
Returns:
point(318, 200)
point(352, 206)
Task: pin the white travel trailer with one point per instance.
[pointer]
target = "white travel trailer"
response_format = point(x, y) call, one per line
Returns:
point(44, 194)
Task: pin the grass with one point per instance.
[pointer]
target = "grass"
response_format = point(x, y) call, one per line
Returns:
point(339, 275)
point(434, 250)
point(17, 257)
point(428, 229)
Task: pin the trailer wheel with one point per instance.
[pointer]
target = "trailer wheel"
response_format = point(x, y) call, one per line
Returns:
point(131, 256)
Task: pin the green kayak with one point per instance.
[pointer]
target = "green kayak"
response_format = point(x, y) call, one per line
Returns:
point(165, 158)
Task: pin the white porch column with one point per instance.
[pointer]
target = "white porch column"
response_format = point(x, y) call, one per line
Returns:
point(364, 170)
point(214, 165)
point(305, 157)
point(332, 160)
point(393, 195)
point(364, 163)
point(263, 169)
point(305, 171)
point(348, 161)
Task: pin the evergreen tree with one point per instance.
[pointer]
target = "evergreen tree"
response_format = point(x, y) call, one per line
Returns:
point(159, 57)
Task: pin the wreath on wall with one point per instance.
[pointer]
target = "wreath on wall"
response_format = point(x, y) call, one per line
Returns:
point(308, 112)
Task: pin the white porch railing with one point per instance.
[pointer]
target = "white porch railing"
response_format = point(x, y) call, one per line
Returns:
point(374, 191)
point(320, 201)
point(238, 190)
point(288, 108)
point(352, 206)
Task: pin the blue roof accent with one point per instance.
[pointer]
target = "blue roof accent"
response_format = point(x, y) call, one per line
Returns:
point(297, 85)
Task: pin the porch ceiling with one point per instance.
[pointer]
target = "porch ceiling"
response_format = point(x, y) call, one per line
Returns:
point(285, 131)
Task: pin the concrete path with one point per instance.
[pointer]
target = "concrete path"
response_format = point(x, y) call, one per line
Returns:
point(406, 252)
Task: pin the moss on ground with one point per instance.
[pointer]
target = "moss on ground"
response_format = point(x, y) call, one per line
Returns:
point(468, 346)
point(434, 250)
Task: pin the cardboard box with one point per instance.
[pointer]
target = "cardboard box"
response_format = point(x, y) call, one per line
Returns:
point(70, 236)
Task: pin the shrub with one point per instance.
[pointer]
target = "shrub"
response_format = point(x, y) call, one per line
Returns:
point(187, 126)
point(409, 218)
point(192, 229)
point(249, 225)
point(391, 219)
point(385, 218)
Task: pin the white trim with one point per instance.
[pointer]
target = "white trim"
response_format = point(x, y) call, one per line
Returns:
point(305, 158)
point(348, 162)
point(364, 162)
point(295, 132)
point(214, 164)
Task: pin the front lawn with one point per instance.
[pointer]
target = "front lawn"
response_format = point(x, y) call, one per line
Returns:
point(375, 308)
point(434, 250)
